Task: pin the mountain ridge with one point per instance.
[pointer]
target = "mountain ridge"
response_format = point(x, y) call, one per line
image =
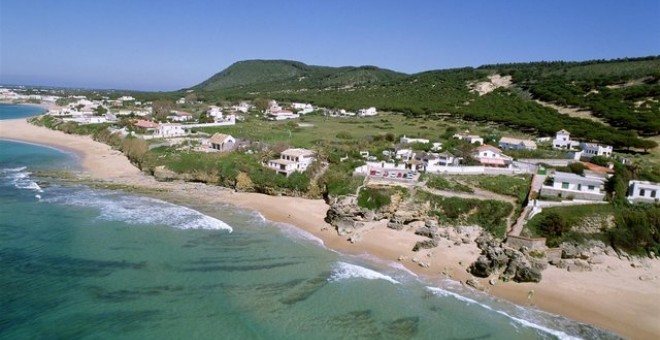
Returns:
point(290, 73)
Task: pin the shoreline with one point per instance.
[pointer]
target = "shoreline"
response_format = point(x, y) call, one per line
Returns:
point(611, 297)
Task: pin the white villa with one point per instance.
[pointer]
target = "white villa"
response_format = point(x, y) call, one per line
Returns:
point(222, 142)
point(489, 155)
point(241, 107)
point(566, 184)
point(281, 114)
point(472, 139)
point(214, 111)
point(292, 160)
point(303, 108)
point(592, 149)
point(181, 116)
point(643, 191)
point(563, 141)
point(408, 140)
point(367, 112)
point(167, 130)
point(510, 143)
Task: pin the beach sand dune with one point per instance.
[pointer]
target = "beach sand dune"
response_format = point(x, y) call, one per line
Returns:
point(612, 296)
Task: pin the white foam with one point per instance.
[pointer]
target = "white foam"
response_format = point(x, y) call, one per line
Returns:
point(21, 179)
point(558, 334)
point(399, 266)
point(344, 271)
point(19, 169)
point(297, 233)
point(140, 210)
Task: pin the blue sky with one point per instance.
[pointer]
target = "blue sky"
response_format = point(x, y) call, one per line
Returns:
point(167, 45)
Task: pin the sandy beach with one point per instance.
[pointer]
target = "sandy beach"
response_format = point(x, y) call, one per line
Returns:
point(612, 296)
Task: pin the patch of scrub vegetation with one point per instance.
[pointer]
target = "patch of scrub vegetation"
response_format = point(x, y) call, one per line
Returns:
point(449, 184)
point(488, 214)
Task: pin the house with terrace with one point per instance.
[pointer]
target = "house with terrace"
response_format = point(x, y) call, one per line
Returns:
point(292, 160)
point(590, 186)
point(563, 141)
point(593, 149)
point(491, 156)
point(472, 139)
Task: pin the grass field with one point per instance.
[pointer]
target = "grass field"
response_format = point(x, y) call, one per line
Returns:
point(323, 130)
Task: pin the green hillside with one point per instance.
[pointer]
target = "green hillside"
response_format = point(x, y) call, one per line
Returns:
point(625, 93)
point(278, 75)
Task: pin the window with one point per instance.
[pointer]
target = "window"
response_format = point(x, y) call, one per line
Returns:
point(653, 193)
point(579, 187)
point(564, 185)
point(591, 188)
point(642, 192)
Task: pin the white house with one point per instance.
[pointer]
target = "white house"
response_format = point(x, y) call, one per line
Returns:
point(302, 108)
point(489, 155)
point(408, 140)
point(643, 191)
point(147, 125)
point(566, 184)
point(181, 101)
point(214, 111)
point(181, 116)
point(592, 149)
point(511, 143)
point(241, 107)
point(472, 139)
point(168, 130)
point(126, 99)
point(222, 142)
point(281, 114)
point(367, 112)
point(292, 160)
point(563, 140)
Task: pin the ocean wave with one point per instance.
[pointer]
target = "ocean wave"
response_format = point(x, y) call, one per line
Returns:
point(140, 210)
point(344, 271)
point(19, 169)
point(559, 334)
point(294, 232)
point(20, 179)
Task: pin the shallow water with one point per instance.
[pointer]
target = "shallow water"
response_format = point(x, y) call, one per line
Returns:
point(77, 262)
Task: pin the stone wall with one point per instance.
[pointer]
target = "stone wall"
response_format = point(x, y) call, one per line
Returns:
point(552, 192)
point(517, 242)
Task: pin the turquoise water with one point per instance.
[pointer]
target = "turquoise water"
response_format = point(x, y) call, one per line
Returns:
point(77, 262)
point(12, 111)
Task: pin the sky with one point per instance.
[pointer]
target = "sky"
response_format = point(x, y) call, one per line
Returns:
point(166, 45)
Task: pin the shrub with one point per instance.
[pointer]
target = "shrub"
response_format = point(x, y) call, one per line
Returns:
point(373, 199)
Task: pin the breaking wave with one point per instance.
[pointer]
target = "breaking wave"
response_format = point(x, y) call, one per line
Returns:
point(344, 271)
point(526, 323)
point(140, 210)
point(20, 178)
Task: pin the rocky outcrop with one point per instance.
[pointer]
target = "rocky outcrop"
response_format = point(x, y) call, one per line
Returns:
point(346, 216)
point(426, 244)
point(163, 174)
point(511, 264)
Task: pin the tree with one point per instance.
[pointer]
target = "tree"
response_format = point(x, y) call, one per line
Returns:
point(162, 109)
point(100, 110)
point(261, 104)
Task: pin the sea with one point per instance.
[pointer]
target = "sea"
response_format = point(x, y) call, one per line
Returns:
point(81, 262)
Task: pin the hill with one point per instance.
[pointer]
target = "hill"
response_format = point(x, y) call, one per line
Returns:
point(624, 93)
point(273, 75)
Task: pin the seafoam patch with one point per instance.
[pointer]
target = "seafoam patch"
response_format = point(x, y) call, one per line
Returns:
point(140, 210)
point(345, 271)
